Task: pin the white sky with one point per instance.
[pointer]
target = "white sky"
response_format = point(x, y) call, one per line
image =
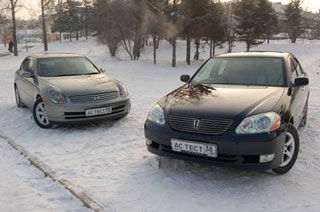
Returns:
point(34, 10)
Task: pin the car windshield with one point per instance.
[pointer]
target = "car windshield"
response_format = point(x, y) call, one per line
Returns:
point(68, 66)
point(266, 71)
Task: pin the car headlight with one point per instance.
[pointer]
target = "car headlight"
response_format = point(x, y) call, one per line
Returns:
point(122, 90)
point(260, 123)
point(56, 96)
point(157, 115)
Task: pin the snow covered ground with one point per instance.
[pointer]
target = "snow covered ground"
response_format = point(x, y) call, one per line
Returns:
point(109, 162)
point(24, 188)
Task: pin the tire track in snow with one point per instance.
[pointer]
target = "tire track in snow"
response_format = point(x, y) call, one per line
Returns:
point(87, 201)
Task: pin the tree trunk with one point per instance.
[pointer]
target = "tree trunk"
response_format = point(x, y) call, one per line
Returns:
point(211, 42)
point(138, 8)
point(188, 50)
point(77, 35)
point(248, 46)
point(229, 47)
point(268, 37)
point(86, 32)
point(137, 42)
point(86, 25)
point(154, 37)
point(60, 36)
point(14, 34)
point(70, 36)
point(158, 42)
point(196, 56)
point(174, 43)
point(213, 48)
point(146, 41)
point(210, 51)
point(44, 30)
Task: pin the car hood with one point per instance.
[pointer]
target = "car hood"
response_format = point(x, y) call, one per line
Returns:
point(81, 85)
point(222, 101)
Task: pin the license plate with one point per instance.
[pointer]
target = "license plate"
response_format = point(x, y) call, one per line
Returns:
point(99, 111)
point(209, 150)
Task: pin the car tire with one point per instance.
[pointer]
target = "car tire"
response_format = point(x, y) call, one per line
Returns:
point(305, 117)
point(291, 147)
point(40, 115)
point(18, 99)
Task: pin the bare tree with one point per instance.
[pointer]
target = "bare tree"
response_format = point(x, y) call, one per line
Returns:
point(229, 26)
point(4, 28)
point(173, 17)
point(116, 28)
point(45, 6)
point(13, 7)
point(86, 4)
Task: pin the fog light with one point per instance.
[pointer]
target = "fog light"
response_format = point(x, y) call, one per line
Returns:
point(266, 158)
point(148, 142)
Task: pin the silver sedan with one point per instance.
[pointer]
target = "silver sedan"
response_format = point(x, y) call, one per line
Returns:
point(68, 88)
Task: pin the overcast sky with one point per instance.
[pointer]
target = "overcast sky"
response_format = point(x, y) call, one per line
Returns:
point(34, 10)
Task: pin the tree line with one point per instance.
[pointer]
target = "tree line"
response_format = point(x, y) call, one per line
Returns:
point(131, 24)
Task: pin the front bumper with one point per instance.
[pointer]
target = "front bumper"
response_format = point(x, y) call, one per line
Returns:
point(233, 149)
point(72, 113)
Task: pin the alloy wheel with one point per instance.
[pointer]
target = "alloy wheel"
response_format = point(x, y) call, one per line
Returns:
point(288, 151)
point(41, 114)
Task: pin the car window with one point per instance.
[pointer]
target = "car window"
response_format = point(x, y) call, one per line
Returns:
point(298, 67)
point(263, 71)
point(55, 67)
point(294, 72)
point(30, 66)
point(25, 65)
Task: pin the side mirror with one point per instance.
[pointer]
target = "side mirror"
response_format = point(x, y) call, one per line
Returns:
point(26, 74)
point(103, 70)
point(185, 78)
point(301, 81)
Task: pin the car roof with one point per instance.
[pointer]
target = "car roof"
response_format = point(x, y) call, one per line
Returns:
point(256, 54)
point(55, 55)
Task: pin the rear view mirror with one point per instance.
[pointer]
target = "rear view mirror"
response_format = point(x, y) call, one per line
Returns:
point(301, 81)
point(26, 74)
point(185, 78)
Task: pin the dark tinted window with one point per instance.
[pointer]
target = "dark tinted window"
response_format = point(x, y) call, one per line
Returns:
point(55, 67)
point(242, 71)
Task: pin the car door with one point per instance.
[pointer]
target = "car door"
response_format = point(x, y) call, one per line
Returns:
point(304, 90)
point(31, 83)
point(21, 83)
point(28, 83)
point(297, 100)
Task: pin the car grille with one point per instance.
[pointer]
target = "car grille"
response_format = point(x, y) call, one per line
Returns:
point(93, 98)
point(203, 126)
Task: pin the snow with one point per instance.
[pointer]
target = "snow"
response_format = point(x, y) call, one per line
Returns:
point(23, 187)
point(109, 161)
